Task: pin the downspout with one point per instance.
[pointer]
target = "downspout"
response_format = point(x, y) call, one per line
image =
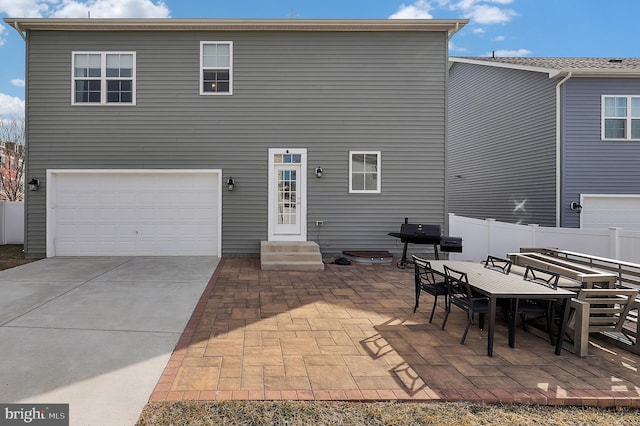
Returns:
point(558, 146)
point(453, 31)
point(17, 27)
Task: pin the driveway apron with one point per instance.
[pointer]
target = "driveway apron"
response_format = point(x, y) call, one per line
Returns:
point(94, 332)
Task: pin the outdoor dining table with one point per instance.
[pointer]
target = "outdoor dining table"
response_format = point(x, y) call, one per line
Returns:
point(497, 285)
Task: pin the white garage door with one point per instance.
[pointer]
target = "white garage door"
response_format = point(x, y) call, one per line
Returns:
point(133, 212)
point(610, 210)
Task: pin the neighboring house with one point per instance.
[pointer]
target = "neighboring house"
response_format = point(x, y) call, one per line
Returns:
point(11, 171)
point(530, 136)
point(136, 128)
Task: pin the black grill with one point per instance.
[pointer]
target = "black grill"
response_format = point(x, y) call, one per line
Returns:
point(417, 233)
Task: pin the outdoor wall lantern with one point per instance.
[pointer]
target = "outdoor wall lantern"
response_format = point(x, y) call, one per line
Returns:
point(230, 184)
point(33, 184)
point(319, 172)
point(576, 207)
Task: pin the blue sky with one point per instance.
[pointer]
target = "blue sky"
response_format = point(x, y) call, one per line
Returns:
point(564, 28)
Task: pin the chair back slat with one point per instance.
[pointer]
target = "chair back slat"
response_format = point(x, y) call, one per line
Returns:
point(499, 264)
point(423, 271)
point(542, 276)
point(458, 283)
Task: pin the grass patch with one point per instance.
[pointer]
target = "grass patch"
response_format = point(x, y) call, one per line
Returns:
point(11, 255)
point(292, 413)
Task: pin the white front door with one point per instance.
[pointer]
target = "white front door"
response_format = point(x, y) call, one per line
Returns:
point(287, 195)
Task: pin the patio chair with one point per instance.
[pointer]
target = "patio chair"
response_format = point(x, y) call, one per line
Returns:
point(499, 264)
point(426, 281)
point(539, 308)
point(604, 311)
point(460, 295)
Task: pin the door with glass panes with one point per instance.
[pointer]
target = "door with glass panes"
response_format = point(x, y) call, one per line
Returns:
point(287, 194)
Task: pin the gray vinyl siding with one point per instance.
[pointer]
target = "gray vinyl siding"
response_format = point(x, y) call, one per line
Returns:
point(501, 144)
point(329, 92)
point(591, 165)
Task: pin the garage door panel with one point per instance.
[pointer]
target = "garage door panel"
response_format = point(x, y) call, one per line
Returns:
point(136, 213)
point(610, 210)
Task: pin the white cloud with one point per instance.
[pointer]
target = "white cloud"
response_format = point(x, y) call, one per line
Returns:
point(418, 10)
point(482, 12)
point(18, 82)
point(25, 8)
point(2, 31)
point(454, 48)
point(11, 106)
point(111, 9)
point(478, 31)
point(510, 53)
point(498, 38)
point(79, 9)
point(485, 14)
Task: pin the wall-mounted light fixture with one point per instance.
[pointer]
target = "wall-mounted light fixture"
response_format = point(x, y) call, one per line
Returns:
point(230, 183)
point(33, 184)
point(576, 207)
point(319, 172)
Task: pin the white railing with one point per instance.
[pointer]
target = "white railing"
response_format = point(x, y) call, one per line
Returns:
point(11, 222)
point(483, 237)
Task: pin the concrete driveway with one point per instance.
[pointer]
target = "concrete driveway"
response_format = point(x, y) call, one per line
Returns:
point(94, 332)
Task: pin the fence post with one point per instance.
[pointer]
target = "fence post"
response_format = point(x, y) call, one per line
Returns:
point(533, 227)
point(2, 204)
point(614, 243)
point(490, 223)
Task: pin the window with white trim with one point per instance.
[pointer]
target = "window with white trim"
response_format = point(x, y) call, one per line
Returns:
point(104, 78)
point(364, 172)
point(216, 67)
point(621, 117)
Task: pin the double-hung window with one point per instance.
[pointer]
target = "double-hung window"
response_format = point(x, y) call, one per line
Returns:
point(621, 117)
point(216, 68)
point(364, 172)
point(104, 78)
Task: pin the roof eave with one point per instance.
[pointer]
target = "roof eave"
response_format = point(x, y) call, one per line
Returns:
point(549, 71)
point(171, 24)
point(554, 72)
point(597, 72)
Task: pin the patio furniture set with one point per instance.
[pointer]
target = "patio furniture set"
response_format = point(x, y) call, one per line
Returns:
point(574, 300)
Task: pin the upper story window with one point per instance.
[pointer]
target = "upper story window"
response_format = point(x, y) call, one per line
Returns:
point(216, 67)
point(364, 171)
point(104, 78)
point(621, 117)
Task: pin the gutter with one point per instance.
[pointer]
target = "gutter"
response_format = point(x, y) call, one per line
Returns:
point(558, 146)
point(19, 30)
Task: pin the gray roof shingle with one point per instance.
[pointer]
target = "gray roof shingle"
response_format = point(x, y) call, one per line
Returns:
point(568, 63)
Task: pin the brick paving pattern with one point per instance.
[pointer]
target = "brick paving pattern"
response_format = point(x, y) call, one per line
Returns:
point(349, 333)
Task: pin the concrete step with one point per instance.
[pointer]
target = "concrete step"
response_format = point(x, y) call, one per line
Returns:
point(290, 256)
point(288, 246)
point(291, 266)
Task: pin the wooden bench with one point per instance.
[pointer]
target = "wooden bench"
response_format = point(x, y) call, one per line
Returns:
point(585, 277)
point(600, 311)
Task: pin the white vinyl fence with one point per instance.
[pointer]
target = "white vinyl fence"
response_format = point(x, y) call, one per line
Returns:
point(483, 237)
point(11, 222)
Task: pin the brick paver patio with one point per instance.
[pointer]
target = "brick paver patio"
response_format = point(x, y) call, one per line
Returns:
point(349, 333)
